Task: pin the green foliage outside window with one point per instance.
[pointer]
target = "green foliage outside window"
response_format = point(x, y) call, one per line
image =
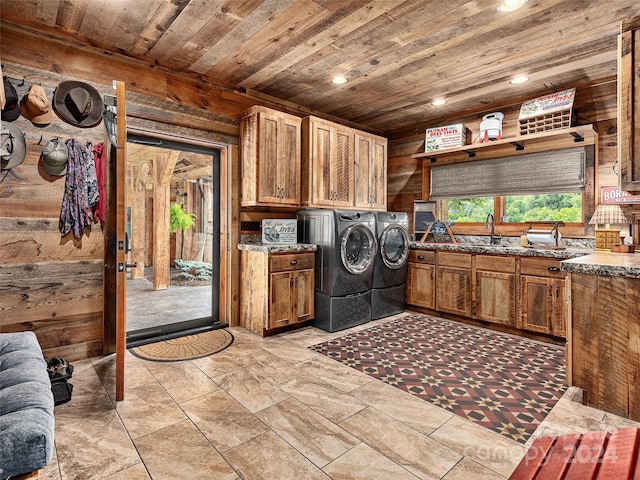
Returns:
point(565, 207)
point(562, 207)
point(469, 209)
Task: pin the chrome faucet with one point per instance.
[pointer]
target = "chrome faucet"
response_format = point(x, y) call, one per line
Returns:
point(490, 221)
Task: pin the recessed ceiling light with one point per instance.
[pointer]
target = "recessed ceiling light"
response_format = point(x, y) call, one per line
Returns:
point(339, 80)
point(519, 79)
point(438, 101)
point(511, 5)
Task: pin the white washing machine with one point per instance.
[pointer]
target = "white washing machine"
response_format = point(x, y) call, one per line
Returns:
point(347, 248)
point(390, 264)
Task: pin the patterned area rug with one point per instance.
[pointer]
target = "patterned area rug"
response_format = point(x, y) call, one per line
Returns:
point(504, 383)
point(188, 347)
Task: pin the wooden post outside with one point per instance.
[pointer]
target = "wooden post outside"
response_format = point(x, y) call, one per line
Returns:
point(137, 185)
point(163, 165)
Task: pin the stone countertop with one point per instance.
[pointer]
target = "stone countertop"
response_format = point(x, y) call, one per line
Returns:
point(260, 247)
point(502, 250)
point(605, 263)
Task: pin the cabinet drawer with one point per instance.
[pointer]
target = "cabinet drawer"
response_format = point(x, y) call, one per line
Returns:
point(496, 264)
point(542, 267)
point(422, 256)
point(450, 259)
point(297, 261)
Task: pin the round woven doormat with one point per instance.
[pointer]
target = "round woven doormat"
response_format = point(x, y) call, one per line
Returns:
point(188, 347)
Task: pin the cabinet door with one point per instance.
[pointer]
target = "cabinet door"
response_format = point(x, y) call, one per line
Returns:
point(495, 297)
point(342, 177)
point(288, 172)
point(559, 320)
point(453, 290)
point(378, 180)
point(370, 174)
point(629, 105)
point(537, 303)
point(270, 144)
point(304, 290)
point(268, 158)
point(331, 162)
point(421, 285)
point(281, 286)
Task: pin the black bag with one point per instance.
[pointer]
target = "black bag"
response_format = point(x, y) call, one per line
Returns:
point(61, 392)
point(59, 372)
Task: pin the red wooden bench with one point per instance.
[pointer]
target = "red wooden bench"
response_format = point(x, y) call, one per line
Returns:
point(583, 456)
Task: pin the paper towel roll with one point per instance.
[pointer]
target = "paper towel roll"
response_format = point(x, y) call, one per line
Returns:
point(542, 238)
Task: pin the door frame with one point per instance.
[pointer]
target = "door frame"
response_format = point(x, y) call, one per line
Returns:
point(114, 327)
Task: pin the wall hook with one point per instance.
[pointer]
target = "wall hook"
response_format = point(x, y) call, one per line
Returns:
point(21, 83)
point(40, 141)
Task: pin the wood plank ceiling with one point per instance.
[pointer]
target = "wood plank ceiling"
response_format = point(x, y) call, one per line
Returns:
point(397, 55)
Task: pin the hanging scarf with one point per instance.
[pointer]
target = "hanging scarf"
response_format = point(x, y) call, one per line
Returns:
point(80, 191)
point(100, 208)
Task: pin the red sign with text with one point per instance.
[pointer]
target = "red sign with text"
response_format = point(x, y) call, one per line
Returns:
point(615, 196)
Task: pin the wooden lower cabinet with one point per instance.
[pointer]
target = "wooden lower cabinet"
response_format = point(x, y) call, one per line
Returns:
point(542, 305)
point(542, 296)
point(421, 279)
point(527, 293)
point(603, 358)
point(495, 295)
point(277, 290)
point(453, 283)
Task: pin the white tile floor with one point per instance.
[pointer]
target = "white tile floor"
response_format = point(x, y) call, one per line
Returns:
point(273, 409)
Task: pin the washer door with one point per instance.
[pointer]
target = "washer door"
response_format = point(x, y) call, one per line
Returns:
point(394, 246)
point(357, 248)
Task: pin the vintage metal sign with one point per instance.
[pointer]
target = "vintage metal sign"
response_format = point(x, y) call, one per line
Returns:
point(615, 196)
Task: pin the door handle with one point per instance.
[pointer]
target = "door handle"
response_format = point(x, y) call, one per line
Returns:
point(131, 265)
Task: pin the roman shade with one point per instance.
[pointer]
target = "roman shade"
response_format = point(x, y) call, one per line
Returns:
point(557, 171)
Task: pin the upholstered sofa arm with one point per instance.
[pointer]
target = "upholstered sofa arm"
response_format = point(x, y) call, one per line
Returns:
point(26, 406)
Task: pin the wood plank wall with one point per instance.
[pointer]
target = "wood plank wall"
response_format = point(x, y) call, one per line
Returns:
point(593, 105)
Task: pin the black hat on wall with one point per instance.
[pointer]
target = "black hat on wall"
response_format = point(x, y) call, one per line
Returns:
point(11, 109)
point(78, 104)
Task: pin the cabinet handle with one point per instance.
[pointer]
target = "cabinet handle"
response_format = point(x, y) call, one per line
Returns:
point(293, 262)
point(554, 269)
point(420, 257)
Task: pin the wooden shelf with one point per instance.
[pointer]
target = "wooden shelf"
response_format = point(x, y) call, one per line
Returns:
point(516, 145)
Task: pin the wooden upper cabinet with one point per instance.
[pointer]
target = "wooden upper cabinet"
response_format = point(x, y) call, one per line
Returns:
point(328, 168)
point(629, 105)
point(370, 171)
point(271, 158)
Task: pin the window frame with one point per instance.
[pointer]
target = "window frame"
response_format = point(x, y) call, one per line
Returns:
point(574, 229)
